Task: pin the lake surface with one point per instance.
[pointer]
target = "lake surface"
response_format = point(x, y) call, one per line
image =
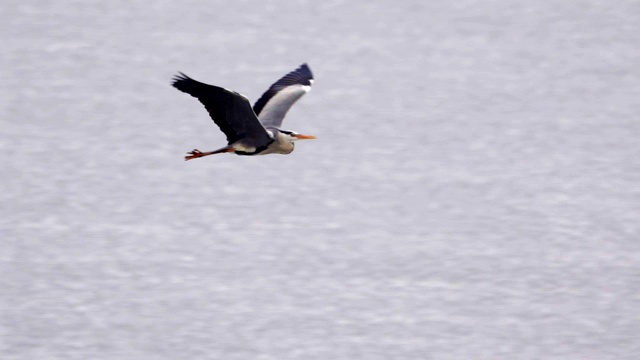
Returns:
point(474, 192)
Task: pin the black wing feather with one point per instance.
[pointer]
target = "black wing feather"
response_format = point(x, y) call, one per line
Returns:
point(301, 76)
point(229, 110)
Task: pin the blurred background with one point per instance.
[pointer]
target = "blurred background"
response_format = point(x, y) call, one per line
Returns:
point(474, 192)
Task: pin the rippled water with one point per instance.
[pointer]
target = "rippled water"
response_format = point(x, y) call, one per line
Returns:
point(473, 192)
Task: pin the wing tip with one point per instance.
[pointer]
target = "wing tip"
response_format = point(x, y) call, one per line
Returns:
point(305, 69)
point(180, 77)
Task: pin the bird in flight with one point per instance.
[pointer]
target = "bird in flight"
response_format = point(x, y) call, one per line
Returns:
point(251, 131)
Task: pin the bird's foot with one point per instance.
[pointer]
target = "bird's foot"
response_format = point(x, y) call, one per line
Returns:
point(194, 154)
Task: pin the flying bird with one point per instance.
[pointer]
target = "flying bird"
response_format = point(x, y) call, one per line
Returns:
point(251, 131)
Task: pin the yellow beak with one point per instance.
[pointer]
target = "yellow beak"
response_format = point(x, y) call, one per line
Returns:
point(305, 137)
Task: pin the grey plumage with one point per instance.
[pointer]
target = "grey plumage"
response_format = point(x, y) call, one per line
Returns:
point(251, 131)
point(274, 104)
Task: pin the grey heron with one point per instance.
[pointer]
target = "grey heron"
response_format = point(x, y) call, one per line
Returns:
point(251, 131)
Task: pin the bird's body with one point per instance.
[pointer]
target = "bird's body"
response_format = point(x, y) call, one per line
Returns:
point(251, 131)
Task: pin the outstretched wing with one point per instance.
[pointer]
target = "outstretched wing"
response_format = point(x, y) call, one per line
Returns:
point(229, 110)
point(273, 105)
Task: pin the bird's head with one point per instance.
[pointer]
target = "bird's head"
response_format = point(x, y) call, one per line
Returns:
point(294, 136)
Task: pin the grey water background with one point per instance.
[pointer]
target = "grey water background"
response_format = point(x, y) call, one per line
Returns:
point(474, 192)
